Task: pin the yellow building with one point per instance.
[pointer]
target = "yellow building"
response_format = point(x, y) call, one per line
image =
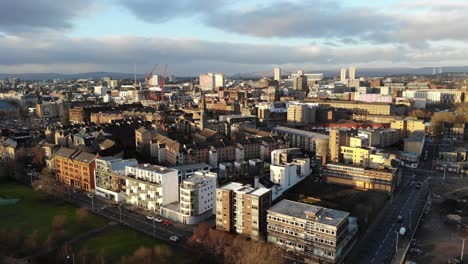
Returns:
point(356, 155)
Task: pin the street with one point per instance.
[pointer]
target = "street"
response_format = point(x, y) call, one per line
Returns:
point(381, 245)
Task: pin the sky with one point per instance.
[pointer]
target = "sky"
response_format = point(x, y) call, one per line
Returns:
point(229, 36)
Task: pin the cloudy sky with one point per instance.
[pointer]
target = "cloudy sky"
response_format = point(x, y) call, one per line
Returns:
point(230, 36)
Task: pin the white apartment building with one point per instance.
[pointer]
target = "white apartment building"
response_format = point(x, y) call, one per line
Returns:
point(150, 186)
point(319, 234)
point(197, 199)
point(286, 175)
point(107, 184)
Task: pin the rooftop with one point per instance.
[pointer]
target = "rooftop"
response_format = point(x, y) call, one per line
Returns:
point(245, 188)
point(155, 168)
point(301, 132)
point(300, 210)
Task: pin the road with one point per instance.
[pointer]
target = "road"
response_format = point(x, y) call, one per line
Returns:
point(124, 216)
point(408, 203)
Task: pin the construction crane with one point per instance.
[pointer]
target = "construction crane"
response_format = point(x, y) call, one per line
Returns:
point(149, 76)
point(163, 81)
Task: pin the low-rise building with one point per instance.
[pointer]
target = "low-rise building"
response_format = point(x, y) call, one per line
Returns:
point(319, 234)
point(382, 179)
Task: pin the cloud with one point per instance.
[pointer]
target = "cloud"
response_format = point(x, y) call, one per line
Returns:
point(158, 11)
point(19, 16)
point(190, 56)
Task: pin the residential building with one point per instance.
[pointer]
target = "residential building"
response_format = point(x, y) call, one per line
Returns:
point(352, 73)
point(107, 184)
point(75, 168)
point(301, 113)
point(50, 109)
point(197, 199)
point(300, 83)
point(343, 75)
point(317, 144)
point(288, 174)
point(277, 74)
point(242, 209)
point(207, 82)
point(318, 234)
point(150, 186)
point(337, 138)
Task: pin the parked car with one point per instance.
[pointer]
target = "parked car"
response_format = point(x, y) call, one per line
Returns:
point(399, 219)
point(167, 223)
point(159, 220)
point(453, 261)
point(90, 195)
point(402, 231)
point(150, 217)
point(174, 238)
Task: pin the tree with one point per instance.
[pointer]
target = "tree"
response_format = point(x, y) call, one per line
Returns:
point(83, 216)
point(31, 242)
point(38, 155)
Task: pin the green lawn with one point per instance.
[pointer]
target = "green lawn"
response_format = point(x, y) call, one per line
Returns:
point(122, 241)
point(36, 210)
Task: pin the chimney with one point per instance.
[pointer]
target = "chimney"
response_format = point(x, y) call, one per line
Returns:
point(256, 182)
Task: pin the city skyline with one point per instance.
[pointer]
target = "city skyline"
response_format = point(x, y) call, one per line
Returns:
point(223, 36)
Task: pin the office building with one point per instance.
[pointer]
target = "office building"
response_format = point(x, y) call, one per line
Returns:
point(300, 83)
point(218, 80)
point(383, 179)
point(242, 209)
point(75, 168)
point(207, 82)
point(318, 234)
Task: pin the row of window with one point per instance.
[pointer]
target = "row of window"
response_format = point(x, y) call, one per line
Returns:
point(285, 221)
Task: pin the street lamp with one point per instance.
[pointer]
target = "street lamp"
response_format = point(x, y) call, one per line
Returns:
point(396, 245)
point(120, 212)
point(72, 257)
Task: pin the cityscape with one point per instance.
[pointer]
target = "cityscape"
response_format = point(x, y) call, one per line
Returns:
point(231, 132)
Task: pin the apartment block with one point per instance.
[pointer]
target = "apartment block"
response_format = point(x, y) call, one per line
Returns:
point(306, 140)
point(301, 113)
point(242, 209)
point(288, 174)
point(75, 168)
point(197, 199)
point(107, 184)
point(318, 234)
point(337, 138)
point(150, 186)
point(382, 179)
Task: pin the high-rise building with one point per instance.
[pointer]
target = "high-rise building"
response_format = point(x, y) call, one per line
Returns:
point(155, 80)
point(277, 74)
point(343, 74)
point(352, 73)
point(219, 80)
point(242, 209)
point(338, 138)
point(300, 83)
point(207, 82)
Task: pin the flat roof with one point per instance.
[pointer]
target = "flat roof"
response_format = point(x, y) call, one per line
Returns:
point(152, 167)
point(244, 188)
point(324, 215)
point(190, 166)
point(301, 132)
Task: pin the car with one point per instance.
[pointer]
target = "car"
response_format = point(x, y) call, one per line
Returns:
point(453, 261)
point(174, 238)
point(149, 217)
point(159, 220)
point(167, 223)
point(90, 195)
point(399, 219)
point(402, 231)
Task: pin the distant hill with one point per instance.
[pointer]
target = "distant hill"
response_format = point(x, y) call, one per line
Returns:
point(248, 75)
point(73, 76)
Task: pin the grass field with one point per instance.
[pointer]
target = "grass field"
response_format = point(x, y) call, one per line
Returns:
point(35, 211)
point(121, 241)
